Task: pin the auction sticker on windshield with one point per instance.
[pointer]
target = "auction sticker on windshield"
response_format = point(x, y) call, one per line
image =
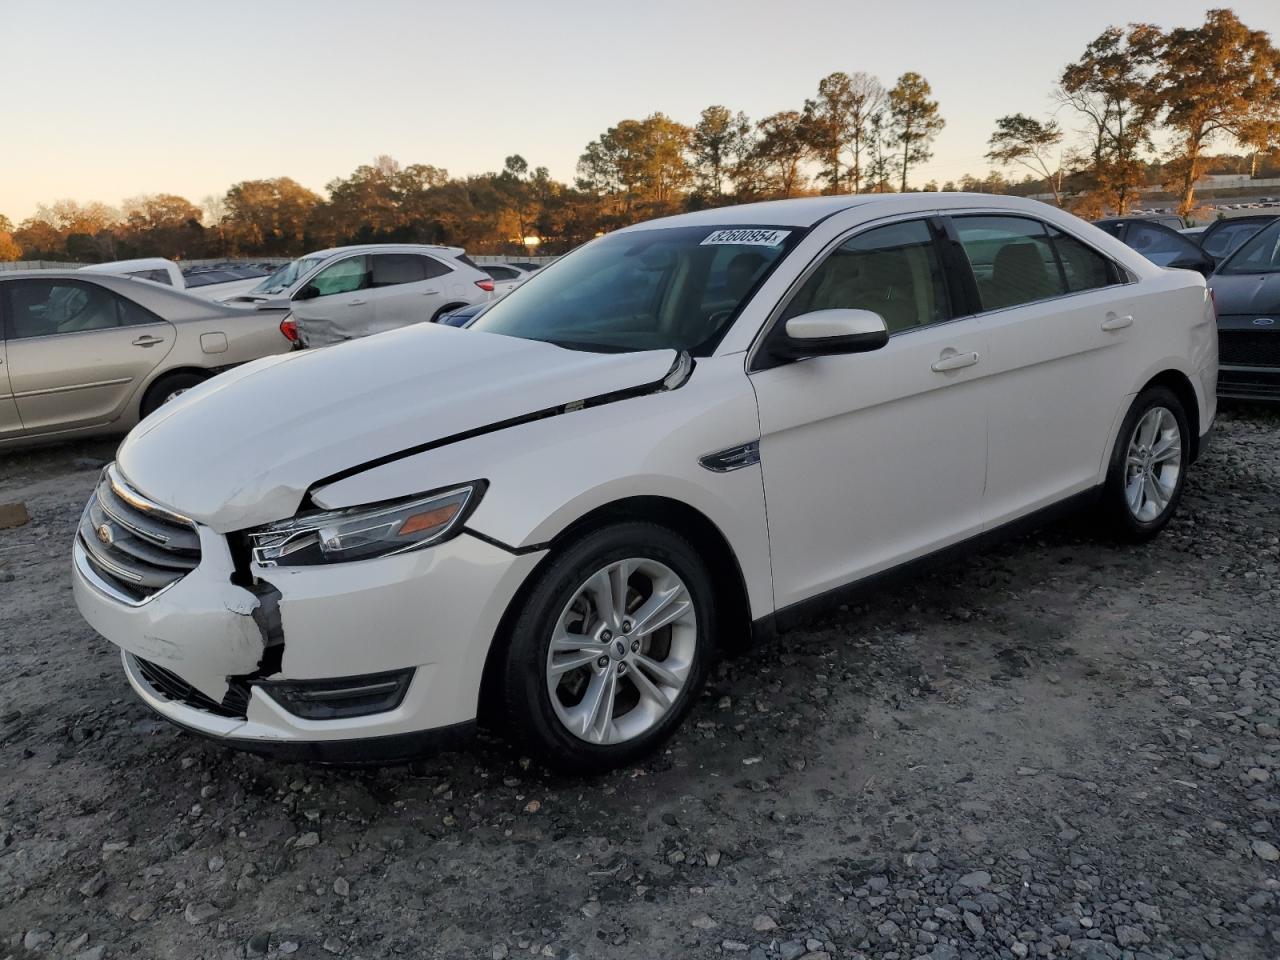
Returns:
point(754, 238)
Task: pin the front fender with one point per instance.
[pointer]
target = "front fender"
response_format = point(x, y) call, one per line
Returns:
point(545, 475)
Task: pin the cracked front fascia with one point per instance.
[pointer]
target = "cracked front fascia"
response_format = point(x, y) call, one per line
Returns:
point(266, 615)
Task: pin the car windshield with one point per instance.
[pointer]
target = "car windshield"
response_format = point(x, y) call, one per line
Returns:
point(1259, 255)
point(288, 275)
point(677, 288)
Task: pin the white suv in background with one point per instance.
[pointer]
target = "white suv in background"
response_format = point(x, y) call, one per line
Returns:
point(680, 433)
point(349, 292)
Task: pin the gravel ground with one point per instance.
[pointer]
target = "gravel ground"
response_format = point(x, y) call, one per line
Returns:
point(1060, 748)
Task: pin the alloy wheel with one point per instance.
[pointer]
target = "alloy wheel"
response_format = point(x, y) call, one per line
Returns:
point(622, 651)
point(1153, 464)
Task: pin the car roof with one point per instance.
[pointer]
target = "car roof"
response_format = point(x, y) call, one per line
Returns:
point(142, 263)
point(808, 211)
point(386, 248)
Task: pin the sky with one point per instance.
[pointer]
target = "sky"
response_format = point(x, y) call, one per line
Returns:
point(104, 101)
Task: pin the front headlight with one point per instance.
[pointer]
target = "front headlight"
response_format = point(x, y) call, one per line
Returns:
point(361, 533)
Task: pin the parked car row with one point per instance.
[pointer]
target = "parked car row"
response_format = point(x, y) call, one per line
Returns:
point(556, 518)
point(1240, 257)
point(87, 352)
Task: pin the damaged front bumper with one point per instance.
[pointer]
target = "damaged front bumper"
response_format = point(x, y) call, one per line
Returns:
point(426, 618)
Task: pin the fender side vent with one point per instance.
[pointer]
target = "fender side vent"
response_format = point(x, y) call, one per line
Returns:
point(733, 458)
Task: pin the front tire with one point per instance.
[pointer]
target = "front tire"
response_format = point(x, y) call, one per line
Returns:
point(610, 649)
point(1148, 466)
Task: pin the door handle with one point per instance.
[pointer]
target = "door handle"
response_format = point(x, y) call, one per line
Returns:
point(356, 303)
point(430, 293)
point(1116, 323)
point(954, 361)
point(148, 341)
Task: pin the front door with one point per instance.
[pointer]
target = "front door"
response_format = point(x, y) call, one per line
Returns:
point(10, 422)
point(77, 352)
point(335, 304)
point(874, 459)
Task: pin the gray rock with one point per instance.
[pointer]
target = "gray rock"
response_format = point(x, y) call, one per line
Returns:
point(36, 939)
point(1265, 851)
point(198, 913)
point(976, 880)
point(974, 924)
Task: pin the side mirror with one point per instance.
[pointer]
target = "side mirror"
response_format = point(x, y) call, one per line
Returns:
point(829, 332)
point(309, 292)
point(1204, 263)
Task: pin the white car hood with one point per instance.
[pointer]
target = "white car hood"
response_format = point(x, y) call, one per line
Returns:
point(243, 448)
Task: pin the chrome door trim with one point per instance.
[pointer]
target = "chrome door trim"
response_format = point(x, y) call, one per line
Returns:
point(75, 386)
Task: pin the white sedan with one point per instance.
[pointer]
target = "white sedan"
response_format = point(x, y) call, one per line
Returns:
point(683, 433)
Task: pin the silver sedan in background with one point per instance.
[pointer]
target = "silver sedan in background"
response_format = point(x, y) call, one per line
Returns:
point(84, 354)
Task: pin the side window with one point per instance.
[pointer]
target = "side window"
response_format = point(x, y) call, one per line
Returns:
point(345, 276)
point(44, 308)
point(1012, 260)
point(434, 268)
point(132, 314)
point(390, 269)
point(1082, 266)
point(892, 270)
point(501, 273)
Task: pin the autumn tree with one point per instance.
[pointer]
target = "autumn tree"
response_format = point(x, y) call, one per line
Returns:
point(718, 143)
point(780, 150)
point(639, 166)
point(9, 249)
point(879, 156)
point(270, 216)
point(1218, 79)
point(1110, 88)
point(828, 126)
point(836, 125)
point(162, 225)
point(914, 121)
point(1024, 141)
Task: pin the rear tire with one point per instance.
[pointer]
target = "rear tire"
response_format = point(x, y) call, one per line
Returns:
point(1148, 467)
point(168, 387)
point(624, 672)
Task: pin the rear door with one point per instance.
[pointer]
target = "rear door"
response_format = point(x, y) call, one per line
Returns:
point(1062, 355)
point(77, 352)
point(10, 422)
point(407, 288)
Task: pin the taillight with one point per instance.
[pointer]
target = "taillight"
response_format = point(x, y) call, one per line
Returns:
point(485, 285)
point(290, 329)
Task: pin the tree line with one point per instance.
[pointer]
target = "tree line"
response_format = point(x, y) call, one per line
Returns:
point(1143, 107)
point(1148, 104)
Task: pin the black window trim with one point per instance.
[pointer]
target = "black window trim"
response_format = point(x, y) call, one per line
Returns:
point(1118, 275)
point(6, 314)
point(758, 357)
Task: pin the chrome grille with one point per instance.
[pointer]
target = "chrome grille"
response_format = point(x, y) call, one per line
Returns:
point(135, 548)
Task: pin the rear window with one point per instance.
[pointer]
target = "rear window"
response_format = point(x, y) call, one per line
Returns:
point(1258, 255)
